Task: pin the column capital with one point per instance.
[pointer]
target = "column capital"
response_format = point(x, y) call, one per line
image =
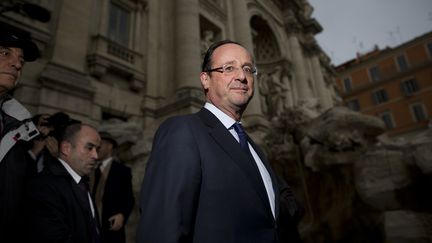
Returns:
point(311, 48)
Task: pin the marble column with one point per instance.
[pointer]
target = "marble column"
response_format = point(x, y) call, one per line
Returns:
point(300, 77)
point(137, 43)
point(187, 44)
point(322, 92)
point(67, 37)
point(154, 29)
point(241, 26)
point(103, 7)
point(243, 35)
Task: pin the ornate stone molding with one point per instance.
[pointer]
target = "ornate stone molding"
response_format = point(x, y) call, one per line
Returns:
point(185, 100)
point(311, 47)
point(291, 23)
point(107, 55)
point(312, 26)
point(67, 81)
point(215, 8)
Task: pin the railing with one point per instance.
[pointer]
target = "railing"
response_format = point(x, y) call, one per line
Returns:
point(120, 52)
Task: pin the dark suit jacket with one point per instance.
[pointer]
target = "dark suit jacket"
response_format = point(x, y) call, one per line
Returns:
point(57, 208)
point(16, 169)
point(201, 187)
point(117, 198)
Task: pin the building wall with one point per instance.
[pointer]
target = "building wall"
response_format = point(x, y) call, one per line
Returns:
point(399, 104)
point(156, 74)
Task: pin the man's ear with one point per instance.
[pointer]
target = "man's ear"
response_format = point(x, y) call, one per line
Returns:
point(205, 80)
point(65, 148)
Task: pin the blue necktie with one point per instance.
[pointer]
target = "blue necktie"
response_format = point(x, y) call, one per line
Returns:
point(242, 138)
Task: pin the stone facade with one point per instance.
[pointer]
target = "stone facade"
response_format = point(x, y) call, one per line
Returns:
point(355, 184)
point(156, 74)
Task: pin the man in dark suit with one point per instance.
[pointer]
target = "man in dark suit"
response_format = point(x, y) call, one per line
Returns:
point(60, 208)
point(112, 192)
point(206, 181)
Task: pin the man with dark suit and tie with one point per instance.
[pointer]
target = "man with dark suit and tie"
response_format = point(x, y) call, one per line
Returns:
point(60, 208)
point(206, 180)
point(112, 192)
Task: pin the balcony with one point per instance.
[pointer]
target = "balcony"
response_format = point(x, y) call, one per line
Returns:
point(107, 55)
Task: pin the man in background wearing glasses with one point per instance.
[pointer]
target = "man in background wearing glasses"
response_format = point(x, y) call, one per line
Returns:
point(206, 180)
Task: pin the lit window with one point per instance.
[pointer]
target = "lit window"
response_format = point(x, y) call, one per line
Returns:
point(118, 30)
point(409, 87)
point(380, 96)
point(402, 63)
point(374, 74)
point(418, 112)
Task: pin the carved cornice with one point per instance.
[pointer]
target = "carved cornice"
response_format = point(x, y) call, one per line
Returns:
point(216, 10)
point(66, 80)
point(311, 48)
point(134, 5)
point(268, 67)
point(291, 23)
point(312, 26)
point(184, 98)
point(289, 4)
point(297, 18)
point(143, 2)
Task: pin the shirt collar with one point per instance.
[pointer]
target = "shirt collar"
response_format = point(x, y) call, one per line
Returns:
point(226, 120)
point(105, 163)
point(75, 176)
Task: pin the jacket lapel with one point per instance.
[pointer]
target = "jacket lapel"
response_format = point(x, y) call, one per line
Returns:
point(228, 143)
point(271, 173)
point(81, 197)
point(58, 169)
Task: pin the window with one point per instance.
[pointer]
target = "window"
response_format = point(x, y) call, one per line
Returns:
point(108, 116)
point(374, 74)
point(418, 112)
point(402, 63)
point(387, 119)
point(429, 48)
point(409, 87)
point(347, 84)
point(353, 105)
point(118, 30)
point(380, 96)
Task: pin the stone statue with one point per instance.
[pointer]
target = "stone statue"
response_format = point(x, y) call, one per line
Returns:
point(264, 91)
point(310, 107)
point(274, 88)
point(206, 41)
point(278, 91)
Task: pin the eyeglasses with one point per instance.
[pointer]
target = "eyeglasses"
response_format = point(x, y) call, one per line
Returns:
point(230, 69)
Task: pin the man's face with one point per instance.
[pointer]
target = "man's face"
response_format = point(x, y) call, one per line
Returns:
point(105, 150)
point(11, 63)
point(230, 92)
point(81, 154)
